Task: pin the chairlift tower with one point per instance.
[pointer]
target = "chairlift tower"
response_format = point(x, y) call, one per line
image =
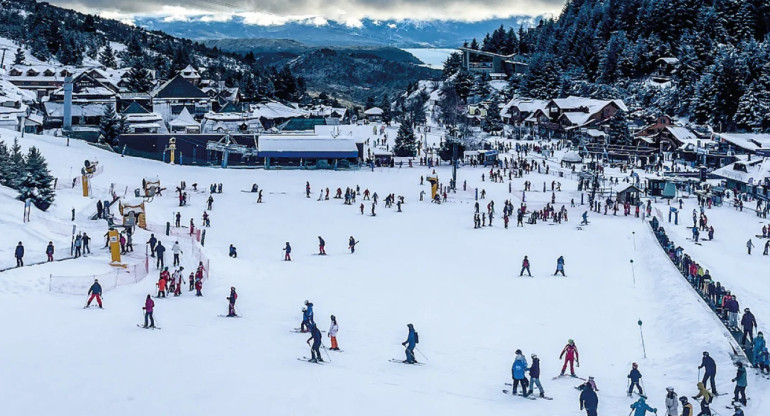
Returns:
point(226, 145)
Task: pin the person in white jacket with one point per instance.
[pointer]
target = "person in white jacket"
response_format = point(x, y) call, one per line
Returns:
point(672, 402)
point(176, 250)
point(333, 334)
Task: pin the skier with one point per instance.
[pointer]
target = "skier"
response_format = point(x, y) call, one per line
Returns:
point(307, 315)
point(559, 266)
point(525, 266)
point(178, 220)
point(152, 242)
point(305, 324)
point(686, 407)
point(410, 343)
point(570, 354)
point(759, 346)
point(321, 246)
point(19, 254)
point(672, 402)
point(96, 292)
point(740, 384)
point(534, 376)
point(634, 376)
point(706, 399)
point(232, 298)
point(307, 189)
point(209, 202)
point(588, 400)
point(179, 282)
point(287, 255)
point(641, 407)
point(585, 218)
point(86, 248)
point(49, 251)
point(148, 308)
point(233, 252)
point(315, 336)
point(710, 372)
point(333, 334)
point(159, 250)
point(198, 285)
point(176, 250)
point(518, 370)
point(748, 322)
point(164, 276)
point(352, 244)
point(749, 245)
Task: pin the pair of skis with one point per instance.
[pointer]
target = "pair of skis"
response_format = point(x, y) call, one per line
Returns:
point(530, 396)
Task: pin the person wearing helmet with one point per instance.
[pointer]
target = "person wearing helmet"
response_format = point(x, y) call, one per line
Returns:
point(315, 336)
point(686, 407)
point(641, 407)
point(748, 322)
point(333, 334)
point(231, 307)
point(764, 361)
point(740, 384)
point(534, 376)
point(759, 345)
point(570, 355)
point(589, 400)
point(738, 410)
point(410, 343)
point(95, 292)
point(672, 402)
point(309, 306)
point(710, 367)
point(321, 246)
point(634, 376)
point(518, 373)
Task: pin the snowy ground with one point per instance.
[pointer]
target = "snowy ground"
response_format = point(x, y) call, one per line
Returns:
point(426, 266)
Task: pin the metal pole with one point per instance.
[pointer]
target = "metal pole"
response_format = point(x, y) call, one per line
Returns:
point(633, 274)
point(642, 336)
point(633, 236)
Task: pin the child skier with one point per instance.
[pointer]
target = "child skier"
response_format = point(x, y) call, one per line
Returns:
point(287, 249)
point(148, 308)
point(96, 292)
point(518, 370)
point(570, 354)
point(352, 244)
point(634, 376)
point(641, 407)
point(525, 266)
point(232, 298)
point(315, 336)
point(686, 407)
point(333, 334)
point(740, 384)
point(321, 246)
point(672, 402)
point(534, 376)
point(559, 266)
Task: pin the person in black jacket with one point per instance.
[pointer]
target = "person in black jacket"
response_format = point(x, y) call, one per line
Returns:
point(315, 336)
point(634, 376)
point(588, 400)
point(710, 371)
point(19, 254)
point(159, 250)
point(748, 322)
point(534, 376)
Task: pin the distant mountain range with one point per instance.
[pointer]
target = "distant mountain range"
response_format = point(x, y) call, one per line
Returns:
point(401, 34)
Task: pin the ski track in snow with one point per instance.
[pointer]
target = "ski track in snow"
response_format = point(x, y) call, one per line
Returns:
point(427, 265)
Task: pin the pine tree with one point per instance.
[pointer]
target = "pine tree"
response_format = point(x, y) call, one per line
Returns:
point(369, 103)
point(6, 170)
point(139, 79)
point(752, 108)
point(107, 57)
point(474, 44)
point(36, 181)
point(15, 165)
point(406, 144)
point(385, 105)
point(109, 125)
point(18, 59)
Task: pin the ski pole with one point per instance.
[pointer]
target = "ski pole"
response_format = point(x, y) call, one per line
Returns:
point(327, 352)
point(418, 350)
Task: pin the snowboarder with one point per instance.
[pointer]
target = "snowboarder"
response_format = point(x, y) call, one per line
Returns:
point(352, 244)
point(634, 376)
point(176, 250)
point(570, 354)
point(148, 308)
point(159, 250)
point(710, 367)
point(588, 400)
point(49, 251)
point(740, 384)
point(233, 252)
point(748, 322)
point(321, 246)
point(152, 242)
point(232, 298)
point(641, 407)
point(333, 334)
point(19, 254)
point(672, 402)
point(95, 292)
point(525, 266)
point(315, 336)
point(410, 343)
point(559, 266)
point(534, 376)
point(518, 370)
point(287, 254)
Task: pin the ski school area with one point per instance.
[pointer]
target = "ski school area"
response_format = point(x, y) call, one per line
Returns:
point(622, 299)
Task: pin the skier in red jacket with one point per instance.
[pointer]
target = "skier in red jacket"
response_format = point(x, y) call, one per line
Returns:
point(570, 354)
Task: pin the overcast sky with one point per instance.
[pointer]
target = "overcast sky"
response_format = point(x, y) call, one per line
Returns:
point(266, 12)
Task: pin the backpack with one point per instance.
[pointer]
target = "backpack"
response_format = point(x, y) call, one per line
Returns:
point(416, 337)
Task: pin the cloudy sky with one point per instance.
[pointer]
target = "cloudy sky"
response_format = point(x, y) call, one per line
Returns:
point(267, 12)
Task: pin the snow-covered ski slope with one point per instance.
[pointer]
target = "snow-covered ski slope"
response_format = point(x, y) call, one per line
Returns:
point(427, 266)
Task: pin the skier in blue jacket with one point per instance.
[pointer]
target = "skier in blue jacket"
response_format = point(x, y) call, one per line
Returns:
point(634, 376)
point(559, 266)
point(518, 373)
point(641, 407)
point(411, 341)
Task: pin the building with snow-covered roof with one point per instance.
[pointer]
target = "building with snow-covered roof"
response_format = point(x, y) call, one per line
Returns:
point(177, 94)
point(231, 118)
point(39, 79)
point(750, 176)
point(374, 114)
point(184, 123)
point(142, 120)
point(272, 113)
point(517, 110)
point(190, 74)
point(743, 143)
point(308, 151)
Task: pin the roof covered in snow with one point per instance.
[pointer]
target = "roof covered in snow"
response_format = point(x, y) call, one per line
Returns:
point(374, 111)
point(178, 87)
point(306, 147)
point(749, 172)
point(747, 141)
point(593, 105)
point(184, 119)
point(274, 110)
